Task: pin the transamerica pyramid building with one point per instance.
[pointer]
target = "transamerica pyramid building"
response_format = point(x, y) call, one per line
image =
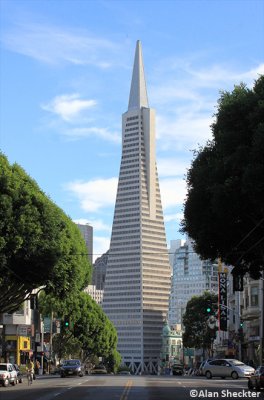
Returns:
point(137, 284)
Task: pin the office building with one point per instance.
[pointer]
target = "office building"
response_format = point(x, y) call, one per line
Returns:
point(137, 281)
point(191, 277)
point(99, 271)
point(87, 232)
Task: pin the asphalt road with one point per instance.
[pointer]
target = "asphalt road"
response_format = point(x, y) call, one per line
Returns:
point(110, 387)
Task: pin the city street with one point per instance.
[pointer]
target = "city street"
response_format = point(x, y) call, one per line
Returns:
point(112, 387)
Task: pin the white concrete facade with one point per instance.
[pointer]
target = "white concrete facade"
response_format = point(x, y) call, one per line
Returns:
point(191, 276)
point(137, 282)
point(96, 294)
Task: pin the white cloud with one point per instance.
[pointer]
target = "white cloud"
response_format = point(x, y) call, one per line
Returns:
point(173, 192)
point(184, 132)
point(216, 75)
point(54, 45)
point(103, 133)
point(100, 246)
point(71, 122)
point(186, 105)
point(94, 194)
point(177, 217)
point(97, 224)
point(82, 221)
point(68, 106)
point(172, 166)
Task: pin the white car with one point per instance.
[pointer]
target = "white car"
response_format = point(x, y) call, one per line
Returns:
point(8, 374)
point(227, 368)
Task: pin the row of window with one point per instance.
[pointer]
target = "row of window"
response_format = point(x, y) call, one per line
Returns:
point(134, 151)
point(134, 139)
point(126, 309)
point(132, 118)
point(125, 187)
point(132, 162)
point(132, 129)
point(132, 123)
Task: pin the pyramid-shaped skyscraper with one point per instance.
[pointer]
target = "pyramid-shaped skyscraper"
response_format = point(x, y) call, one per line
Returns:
point(137, 284)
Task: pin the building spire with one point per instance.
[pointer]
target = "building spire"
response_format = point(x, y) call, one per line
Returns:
point(138, 92)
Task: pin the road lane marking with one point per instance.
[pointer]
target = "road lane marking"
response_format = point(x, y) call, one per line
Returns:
point(126, 391)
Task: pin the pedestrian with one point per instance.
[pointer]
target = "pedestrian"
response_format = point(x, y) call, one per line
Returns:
point(37, 365)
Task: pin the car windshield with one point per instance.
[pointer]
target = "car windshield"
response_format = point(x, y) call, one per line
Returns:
point(3, 367)
point(237, 363)
point(71, 363)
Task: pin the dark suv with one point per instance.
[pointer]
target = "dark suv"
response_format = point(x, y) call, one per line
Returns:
point(177, 368)
point(71, 368)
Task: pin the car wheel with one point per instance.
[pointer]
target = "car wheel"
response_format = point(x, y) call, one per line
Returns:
point(208, 374)
point(6, 382)
point(234, 375)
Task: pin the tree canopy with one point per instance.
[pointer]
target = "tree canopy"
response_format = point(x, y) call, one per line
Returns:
point(197, 332)
point(89, 330)
point(39, 245)
point(224, 208)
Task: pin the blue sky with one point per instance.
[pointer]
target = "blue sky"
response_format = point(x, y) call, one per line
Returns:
point(66, 69)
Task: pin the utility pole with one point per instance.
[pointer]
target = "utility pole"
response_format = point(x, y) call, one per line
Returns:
point(42, 347)
point(51, 337)
point(261, 333)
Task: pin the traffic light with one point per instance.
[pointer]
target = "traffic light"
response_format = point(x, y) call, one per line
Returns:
point(208, 309)
point(241, 324)
point(66, 322)
point(240, 335)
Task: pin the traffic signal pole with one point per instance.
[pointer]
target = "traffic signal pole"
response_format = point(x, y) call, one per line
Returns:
point(42, 347)
point(261, 333)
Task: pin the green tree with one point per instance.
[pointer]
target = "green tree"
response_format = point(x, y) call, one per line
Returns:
point(39, 245)
point(113, 361)
point(197, 333)
point(64, 348)
point(224, 209)
point(89, 325)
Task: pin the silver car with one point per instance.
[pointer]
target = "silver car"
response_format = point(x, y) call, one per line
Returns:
point(227, 368)
point(8, 374)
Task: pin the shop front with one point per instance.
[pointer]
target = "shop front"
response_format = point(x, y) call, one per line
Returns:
point(18, 349)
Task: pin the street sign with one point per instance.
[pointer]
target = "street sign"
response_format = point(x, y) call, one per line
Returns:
point(223, 310)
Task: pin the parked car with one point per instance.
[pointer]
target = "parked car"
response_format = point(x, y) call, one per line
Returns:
point(71, 368)
point(256, 381)
point(201, 367)
point(124, 372)
point(100, 369)
point(19, 373)
point(8, 374)
point(177, 368)
point(225, 368)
